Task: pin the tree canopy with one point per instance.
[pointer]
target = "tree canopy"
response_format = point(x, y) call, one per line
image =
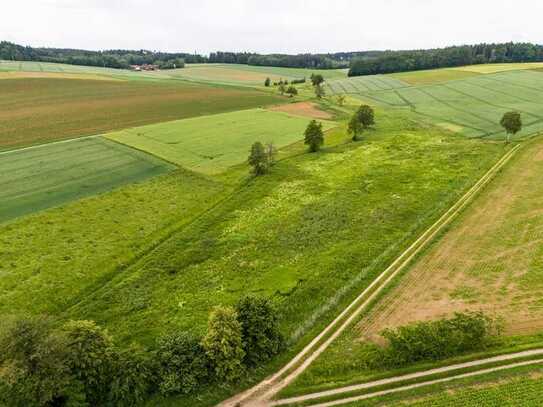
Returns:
point(314, 136)
point(512, 123)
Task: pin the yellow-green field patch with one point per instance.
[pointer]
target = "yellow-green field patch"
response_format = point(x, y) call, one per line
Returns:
point(494, 68)
point(211, 144)
point(433, 76)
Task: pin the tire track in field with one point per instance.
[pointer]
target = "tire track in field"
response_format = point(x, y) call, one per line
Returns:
point(263, 392)
point(366, 396)
point(486, 102)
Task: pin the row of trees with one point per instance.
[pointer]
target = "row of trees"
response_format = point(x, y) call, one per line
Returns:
point(401, 61)
point(43, 364)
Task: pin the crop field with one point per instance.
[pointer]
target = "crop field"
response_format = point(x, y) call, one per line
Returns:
point(36, 111)
point(246, 74)
point(211, 144)
point(472, 107)
point(433, 76)
point(363, 84)
point(50, 175)
point(494, 68)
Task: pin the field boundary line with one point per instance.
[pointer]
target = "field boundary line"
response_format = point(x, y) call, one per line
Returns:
point(261, 393)
point(49, 144)
point(410, 376)
point(428, 383)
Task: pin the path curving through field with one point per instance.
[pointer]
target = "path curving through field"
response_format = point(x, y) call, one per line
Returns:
point(262, 393)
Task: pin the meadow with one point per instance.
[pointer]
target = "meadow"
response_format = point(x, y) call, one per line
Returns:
point(50, 175)
point(39, 110)
point(470, 106)
point(211, 144)
point(282, 235)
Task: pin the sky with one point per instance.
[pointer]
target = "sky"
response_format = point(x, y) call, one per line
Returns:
point(278, 26)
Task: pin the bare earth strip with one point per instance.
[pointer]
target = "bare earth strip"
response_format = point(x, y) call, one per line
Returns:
point(304, 109)
point(489, 260)
point(263, 392)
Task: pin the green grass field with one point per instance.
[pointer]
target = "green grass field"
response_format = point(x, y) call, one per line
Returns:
point(472, 106)
point(53, 259)
point(211, 144)
point(282, 235)
point(50, 175)
point(39, 110)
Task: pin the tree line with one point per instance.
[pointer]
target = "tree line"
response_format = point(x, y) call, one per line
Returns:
point(47, 363)
point(125, 58)
point(403, 61)
point(121, 59)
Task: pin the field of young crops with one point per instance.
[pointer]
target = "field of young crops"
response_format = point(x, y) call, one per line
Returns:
point(472, 106)
point(50, 175)
point(211, 144)
point(39, 110)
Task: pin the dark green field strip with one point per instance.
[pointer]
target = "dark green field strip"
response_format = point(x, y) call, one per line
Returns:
point(58, 173)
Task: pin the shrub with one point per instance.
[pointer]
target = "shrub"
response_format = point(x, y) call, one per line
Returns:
point(132, 377)
point(182, 363)
point(34, 368)
point(292, 90)
point(90, 356)
point(297, 81)
point(267, 82)
point(260, 330)
point(223, 344)
point(439, 339)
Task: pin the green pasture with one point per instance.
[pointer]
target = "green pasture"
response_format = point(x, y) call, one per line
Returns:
point(53, 174)
point(471, 106)
point(211, 144)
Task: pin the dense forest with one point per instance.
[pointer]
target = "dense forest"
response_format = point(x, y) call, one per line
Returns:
point(401, 61)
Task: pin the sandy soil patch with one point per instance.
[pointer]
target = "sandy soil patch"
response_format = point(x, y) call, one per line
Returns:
point(305, 109)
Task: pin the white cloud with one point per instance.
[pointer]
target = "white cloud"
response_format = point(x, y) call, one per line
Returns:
point(279, 26)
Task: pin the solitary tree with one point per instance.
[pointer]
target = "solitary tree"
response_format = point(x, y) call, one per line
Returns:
point(319, 91)
point(258, 158)
point(340, 100)
point(355, 127)
point(512, 123)
point(223, 344)
point(267, 82)
point(314, 136)
point(366, 116)
point(316, 79)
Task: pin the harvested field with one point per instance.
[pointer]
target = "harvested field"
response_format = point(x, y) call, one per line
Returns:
point(490, 259)
point(494, 68)
point(304, 109)
point(46, 176)
point(35, 110)
point(213, 143)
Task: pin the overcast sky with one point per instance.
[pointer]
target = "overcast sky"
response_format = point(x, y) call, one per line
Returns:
point(289, 26)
